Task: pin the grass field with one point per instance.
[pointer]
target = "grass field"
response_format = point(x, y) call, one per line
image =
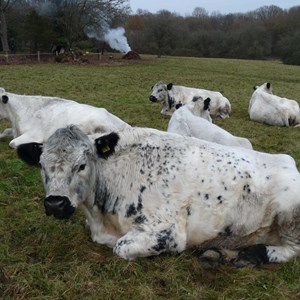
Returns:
point(43, 258)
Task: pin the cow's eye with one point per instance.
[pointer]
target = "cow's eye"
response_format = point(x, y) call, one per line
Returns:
point(81, 167)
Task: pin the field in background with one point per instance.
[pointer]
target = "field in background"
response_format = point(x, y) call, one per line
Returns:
point(43, 258)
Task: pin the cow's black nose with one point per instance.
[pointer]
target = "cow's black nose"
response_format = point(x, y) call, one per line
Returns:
point(58, 206)
point(152, 98)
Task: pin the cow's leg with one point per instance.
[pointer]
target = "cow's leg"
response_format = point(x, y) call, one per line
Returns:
point(258, 254)
point(139, 243)
point(288, 234)
point(261, 254)
point(8, 132)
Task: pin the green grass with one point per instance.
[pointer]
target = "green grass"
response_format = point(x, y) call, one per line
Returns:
point(43, 258)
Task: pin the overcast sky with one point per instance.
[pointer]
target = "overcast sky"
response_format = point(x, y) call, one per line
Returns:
point(186, 7)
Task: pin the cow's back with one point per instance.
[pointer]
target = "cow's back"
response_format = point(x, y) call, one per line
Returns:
point(273, 110)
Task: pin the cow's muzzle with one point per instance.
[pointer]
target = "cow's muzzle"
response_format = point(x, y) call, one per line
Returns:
point(153, 98)
point(58, 206)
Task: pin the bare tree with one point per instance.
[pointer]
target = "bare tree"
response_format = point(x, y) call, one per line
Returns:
point(78, 16)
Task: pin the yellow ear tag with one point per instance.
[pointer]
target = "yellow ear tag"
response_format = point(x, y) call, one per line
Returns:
point(105, 149)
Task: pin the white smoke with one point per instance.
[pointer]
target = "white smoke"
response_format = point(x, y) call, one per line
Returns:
point(117, 40)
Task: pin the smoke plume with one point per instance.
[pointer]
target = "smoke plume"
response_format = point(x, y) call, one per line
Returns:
point(117, 40)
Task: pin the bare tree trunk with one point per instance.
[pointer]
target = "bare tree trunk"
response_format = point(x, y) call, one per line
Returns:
point(3, 28)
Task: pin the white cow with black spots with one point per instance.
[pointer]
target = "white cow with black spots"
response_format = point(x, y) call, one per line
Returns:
point(264, 107)
point(145, 192)
point(193, 119)
point(169, 95)
point(35, 118)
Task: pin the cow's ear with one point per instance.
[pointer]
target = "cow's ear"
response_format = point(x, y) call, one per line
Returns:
point(178, 105)
point(268, 85)
point(206, 103)
point(254, 87)
point(30, 153)
point(4, 99)
point(106, 144)
point(169, 86)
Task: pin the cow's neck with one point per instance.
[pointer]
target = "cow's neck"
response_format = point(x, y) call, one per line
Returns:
point(103, 197)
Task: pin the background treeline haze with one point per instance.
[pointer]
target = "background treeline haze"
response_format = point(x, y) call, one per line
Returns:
point(267, 32)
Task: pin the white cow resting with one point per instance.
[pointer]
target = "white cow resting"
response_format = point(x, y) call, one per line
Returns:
point(264, 107)
point(145, 192)
point(170, 95)
point(35, 118)
point(193, 120)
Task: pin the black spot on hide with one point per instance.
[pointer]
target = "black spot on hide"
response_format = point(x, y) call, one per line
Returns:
point(4, 99)
point(140, 220)
point(178, 105)
point(188, 210)
point(164, 238)
point(142, 188)
point(30, 153)
point(131, 210)
point(196, 98)
point(246, 188)
point(140, 205)
point(106, 144)
point(103, 200)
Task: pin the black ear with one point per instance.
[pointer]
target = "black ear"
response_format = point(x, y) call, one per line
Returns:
point(106, 144)
point(254, 87)
point(268, 85)
point(178, 105)
point(206, 103)
point(4, 99)
point(169, 86)
point(30, 153)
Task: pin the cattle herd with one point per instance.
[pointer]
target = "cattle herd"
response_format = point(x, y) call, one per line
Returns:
point(146, 191)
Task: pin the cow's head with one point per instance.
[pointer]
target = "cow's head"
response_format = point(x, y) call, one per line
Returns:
point(266, 87)
point(159, 92)
point(200, 107)
point(68, 163)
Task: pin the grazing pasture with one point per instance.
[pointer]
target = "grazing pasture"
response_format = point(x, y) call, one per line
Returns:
point(44, 258)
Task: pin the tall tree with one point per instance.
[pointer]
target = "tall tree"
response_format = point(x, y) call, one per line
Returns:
point(3, 26)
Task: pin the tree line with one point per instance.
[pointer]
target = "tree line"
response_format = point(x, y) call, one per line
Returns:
point(267, 32)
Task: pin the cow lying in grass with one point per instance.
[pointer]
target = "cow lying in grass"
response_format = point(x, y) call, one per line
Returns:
point(193, 119)
point(170, 95)
point(35, 118)
point(264, 107)
point(145, 192)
